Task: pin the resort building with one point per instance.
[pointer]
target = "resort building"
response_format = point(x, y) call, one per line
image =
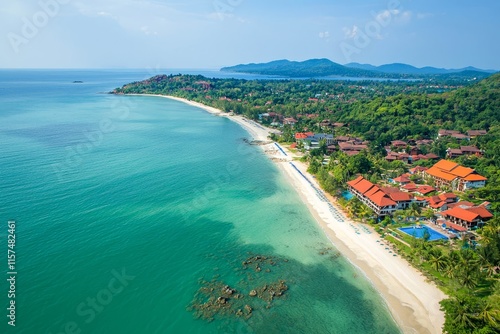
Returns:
point(372, 196)
point(453, 134)
point(441, 202)
point(310, 140)
point(289, 121)
point(424, 190)
point(467, 217)
point(449, 174)
point(463, 150)
point(351, 148)
point(476, 133)
point(402, 180)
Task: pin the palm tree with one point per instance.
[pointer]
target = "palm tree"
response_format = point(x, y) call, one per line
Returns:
point(437, 259)
point(349, 207)
point(464, 316)
point(415, 209)
point(485, 254)
point(364, 212)
point(428, 213)
point(406, 214)
point(468, 277)
point(398, 213)
point(489, 314)
point(450, 270)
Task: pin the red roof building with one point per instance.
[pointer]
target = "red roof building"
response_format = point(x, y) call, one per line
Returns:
point(475, 133)
point(410, 187)
point(467, 218)
point(446, 173)
point(403, 179)
point(372, 196)
point(424, 190)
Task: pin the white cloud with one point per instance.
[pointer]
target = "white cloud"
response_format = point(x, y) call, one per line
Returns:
point(350, 33)
point(220, 16)
point(395, 15)
point(422, 16)
point(404, 17)
point(324, 35)
point(147, 31)
point(386, 15)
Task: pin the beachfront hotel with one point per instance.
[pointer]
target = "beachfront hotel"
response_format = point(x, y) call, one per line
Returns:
point(372, 196)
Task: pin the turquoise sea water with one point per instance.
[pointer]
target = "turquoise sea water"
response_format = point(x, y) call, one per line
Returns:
point(125, 204)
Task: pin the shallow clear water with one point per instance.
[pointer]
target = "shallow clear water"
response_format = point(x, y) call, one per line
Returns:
point(123, 204)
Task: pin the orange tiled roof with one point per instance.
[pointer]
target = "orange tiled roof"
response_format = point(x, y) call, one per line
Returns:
point(300, 135)
point(363, 186)
point(461, 203)
point(390, 190)
point(461, 171)
point(436, 172)
point(371, 191)
point(481, 211)
point(445, 165)
point(456, 227)
point(447, 196)
point(381, 199)
point(400, 196)
point(436, 205)
point(475, 177)
point(462, 214)
point(355, 181)
point(424, 190)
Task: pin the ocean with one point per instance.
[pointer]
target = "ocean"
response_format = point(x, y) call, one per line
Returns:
point(134, 214)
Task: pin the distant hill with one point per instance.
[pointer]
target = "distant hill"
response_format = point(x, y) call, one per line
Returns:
point(308, 68)
point(400, 68)
point(325, 67)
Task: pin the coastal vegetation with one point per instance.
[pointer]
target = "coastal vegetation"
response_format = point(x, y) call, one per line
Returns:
point(380, 112)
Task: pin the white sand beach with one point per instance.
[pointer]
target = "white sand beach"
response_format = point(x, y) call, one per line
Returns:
point(412, 300)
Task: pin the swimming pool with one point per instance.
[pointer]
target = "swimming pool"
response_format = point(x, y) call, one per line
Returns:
point(347, 195)
point(418, 232)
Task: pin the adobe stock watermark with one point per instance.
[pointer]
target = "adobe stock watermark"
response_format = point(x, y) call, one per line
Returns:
point(93, 139)
point(362, 37)
point(94, 305)
point(31, 26)
point(224, 8)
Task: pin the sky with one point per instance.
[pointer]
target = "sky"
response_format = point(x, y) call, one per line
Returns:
point(209, 34)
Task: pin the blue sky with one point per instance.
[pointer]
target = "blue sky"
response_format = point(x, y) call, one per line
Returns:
point(215, 33)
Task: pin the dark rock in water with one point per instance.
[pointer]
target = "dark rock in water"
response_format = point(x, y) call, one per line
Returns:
point(228, 290)
point(215, 299)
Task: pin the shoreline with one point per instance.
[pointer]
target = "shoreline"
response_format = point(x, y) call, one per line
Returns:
point(412, 301)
